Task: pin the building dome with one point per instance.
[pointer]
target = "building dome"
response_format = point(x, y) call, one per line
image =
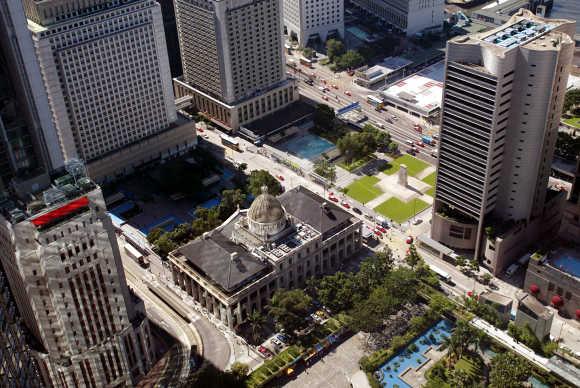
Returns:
point(266, 208)
point(266, 217)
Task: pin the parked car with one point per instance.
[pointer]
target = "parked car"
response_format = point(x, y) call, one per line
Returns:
point(264, 352)
point(348, 93)
point(345, 204)
point(357, 210)
point(381, 229)
point(276, 342)
point(325, 98)
point(283, 338)
point(335, 86)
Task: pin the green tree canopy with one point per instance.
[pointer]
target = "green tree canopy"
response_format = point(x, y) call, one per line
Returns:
point(351, 59)
point(324, 116)
point(413, 258)
point(338, 292)
point(308, 52)
point(256, 321)
point(289, 309)
point(567, 146)
point(508, 371)
point(154, 235)
point(325, 169)
point(240, 370)
point(259, 178)
point(572, 98)
point(375, 268)
point(231, 199)
point(334, 48)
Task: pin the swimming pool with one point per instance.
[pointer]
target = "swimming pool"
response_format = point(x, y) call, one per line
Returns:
point(391, 371)
point(307, 146)
point(567, 262)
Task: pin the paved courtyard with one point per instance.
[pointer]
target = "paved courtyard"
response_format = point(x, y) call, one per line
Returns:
point(335, 368)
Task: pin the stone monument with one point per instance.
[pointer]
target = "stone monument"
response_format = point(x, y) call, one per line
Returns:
point(403, 175)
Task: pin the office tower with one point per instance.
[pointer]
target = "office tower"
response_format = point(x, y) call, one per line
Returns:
point(18, 367)
point(312, 22)
point(28, 141)
point(105, 68)
point(61, 258)
point(503, 97)
point(232, 59)
point(409, 16)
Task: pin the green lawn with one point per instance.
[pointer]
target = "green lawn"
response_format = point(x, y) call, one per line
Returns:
point(400, 211)
point(414, 165)
point(431, 192)
point(574, 121)
point(363, 189)
point(470, 364)
point(430, 179)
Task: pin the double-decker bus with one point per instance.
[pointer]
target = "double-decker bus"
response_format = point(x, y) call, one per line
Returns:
point(230, 142)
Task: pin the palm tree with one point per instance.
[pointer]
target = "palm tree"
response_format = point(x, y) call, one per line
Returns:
point(256, 322)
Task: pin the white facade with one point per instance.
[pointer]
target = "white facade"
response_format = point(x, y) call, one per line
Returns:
point(65, 270)
point(106, 72)
point(502, 102)
point(309, 20)
point(411, 16)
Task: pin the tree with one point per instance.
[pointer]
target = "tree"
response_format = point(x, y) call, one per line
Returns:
point(231, 199)
point(460, 379)
point(567, 146)
point(289, 309)
point(154, 235)
point(440, 304)
point(375, 268)
point(325, 169)
point(474, 265)
point(381, 139)
point(324, 116)
point(205, 220)
point(508, 371)
point(334, 48)
point(308, 52)
point(240, 370)
point(487, 278)
point(393, 148)
point(462, 338)
point(413, 258)
point(369, 314)
point(572, 98)
point(260, 178)
point(243, 167)
point(356, 145)
point(164, 245)
point(460, 261)
point(350, 59)
point(256, 321)
point(338, 291)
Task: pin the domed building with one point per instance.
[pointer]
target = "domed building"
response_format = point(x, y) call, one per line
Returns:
point(266, 217)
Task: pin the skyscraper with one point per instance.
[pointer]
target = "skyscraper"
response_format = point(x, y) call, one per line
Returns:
point(312, 22)
point(104, 66)
point(232, 58)
point(63, 264)
point(28, 139)
point(502, 102)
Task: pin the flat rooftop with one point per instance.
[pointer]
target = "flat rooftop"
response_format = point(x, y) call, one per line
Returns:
point(424, 89)
point(280, 119)
point(212, 257)
point(290, 244)
point(518, 33)
point(306, 206)
point(386, 67)
point(566, 260)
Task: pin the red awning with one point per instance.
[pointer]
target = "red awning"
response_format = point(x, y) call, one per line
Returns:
point(578, 314)
point(61, 212)
point(534, 289)
point(557, 300)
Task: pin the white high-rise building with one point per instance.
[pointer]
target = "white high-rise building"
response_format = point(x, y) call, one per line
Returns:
point(311, 21)
point(503, 97)
point(61, 258)
point(410, 16)
point(233, 63)
point(105, 68)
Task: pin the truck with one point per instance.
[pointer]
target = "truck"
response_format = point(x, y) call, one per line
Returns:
point(428, 140)
point(440, 273)
point(133, 253)
point(512, 270)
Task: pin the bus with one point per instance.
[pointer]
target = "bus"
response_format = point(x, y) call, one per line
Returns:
point(306, 62)
point(230, 142)
point(375, 101)
point(442, 274)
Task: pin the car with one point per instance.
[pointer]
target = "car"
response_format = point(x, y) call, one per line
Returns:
point(435, 136)
point(381, 229)
point(420, 144)
point(434, 154)
point(378, 233)
point(394, 117)
point(199, 129)
point(411, 151)
point(357, 210)
point(333, 199)
point(417, 221)
point(264, 352)
point(335, 86)
point(283, 338)
point(345, 204)
point(409, 142)
point(367, 216)
point(348, 93)
point(325, 98)
point(276, 342)
point(309, 82)
point(409, 240)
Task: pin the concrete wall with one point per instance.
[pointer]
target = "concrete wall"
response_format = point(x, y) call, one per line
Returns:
point(440, 231)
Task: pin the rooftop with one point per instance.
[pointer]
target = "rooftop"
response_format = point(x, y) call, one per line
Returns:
point(223, 262)
point(423, 89)
point(516, 34)
point(496, 298)
point(535, 306)
point(290, 243)
point(281, 119)
point(307, 207)
point(386, 67)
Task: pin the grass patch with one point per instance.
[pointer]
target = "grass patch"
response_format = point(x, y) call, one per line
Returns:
point(431, 192)
point(430, 179)
point(363, 189)
point(400, 211)
point(470, 364)
point(574, 122)
point(272, 367)
point(414, 165)
point(354, 164)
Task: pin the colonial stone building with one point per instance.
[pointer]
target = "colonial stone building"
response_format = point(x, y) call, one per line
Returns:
point(278, 243)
